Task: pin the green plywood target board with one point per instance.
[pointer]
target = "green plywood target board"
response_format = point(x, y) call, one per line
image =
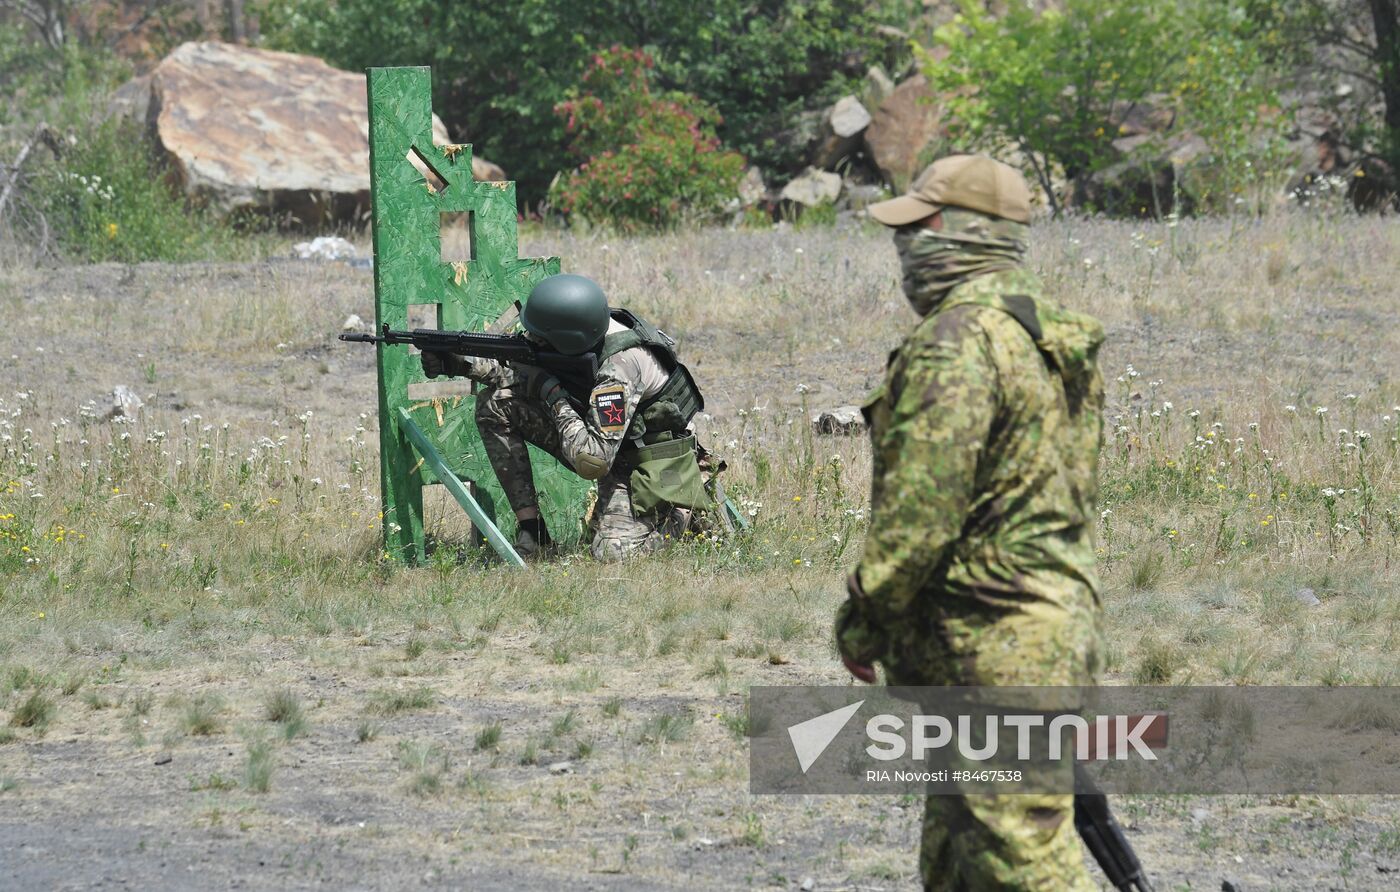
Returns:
point(467, 293)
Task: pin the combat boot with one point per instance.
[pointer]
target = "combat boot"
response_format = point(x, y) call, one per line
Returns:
point(532, 541)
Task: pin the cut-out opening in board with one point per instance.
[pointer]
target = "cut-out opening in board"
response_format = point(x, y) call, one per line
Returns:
point(457, 236)
point(423, 316)
point(436, 181)
point(440, 389)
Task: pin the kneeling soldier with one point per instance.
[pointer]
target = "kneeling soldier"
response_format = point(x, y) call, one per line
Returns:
point(627, 428)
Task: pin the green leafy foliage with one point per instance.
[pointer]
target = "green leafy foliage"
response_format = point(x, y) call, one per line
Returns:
point(651, 160)
point(498, 73)
point(1060, 85)
point(107, 198)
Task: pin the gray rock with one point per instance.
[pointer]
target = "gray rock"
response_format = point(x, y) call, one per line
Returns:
point(125, 404)
point(841, 420)
point(813, 188)
point(840, 134)
point(561, 768)
point(878, 86)
point(751, 187)
point(858, 196)
point(1307, 596)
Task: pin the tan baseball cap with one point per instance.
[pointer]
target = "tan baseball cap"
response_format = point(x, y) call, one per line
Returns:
point(976, 182)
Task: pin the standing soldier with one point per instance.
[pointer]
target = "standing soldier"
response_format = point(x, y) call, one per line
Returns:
point(979, 565)
point(626, 428)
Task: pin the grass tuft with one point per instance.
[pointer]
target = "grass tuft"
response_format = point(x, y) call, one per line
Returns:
point(394, 702)
point(257, 770)
point(666, 727)
point(202, 716)
point(35, 711)
point(488, 738)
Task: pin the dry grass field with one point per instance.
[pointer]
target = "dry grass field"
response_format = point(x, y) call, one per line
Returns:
point(208, 677)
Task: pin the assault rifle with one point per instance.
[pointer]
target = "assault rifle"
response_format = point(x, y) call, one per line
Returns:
point(483, 345)
point(1104, 838)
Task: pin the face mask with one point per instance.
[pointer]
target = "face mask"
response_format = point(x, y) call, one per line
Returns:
point(970, 244)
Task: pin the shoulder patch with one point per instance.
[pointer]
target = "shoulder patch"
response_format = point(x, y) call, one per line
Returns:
point(610, 407)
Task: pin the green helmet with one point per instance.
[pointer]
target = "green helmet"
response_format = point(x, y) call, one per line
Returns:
point(569, 312)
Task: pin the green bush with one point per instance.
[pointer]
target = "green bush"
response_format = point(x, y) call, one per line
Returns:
point(107, 198)
point(650, 160)
point(1055, 84)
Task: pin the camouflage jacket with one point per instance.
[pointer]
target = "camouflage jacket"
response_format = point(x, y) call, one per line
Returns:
point(985, 436)
point(592, 432)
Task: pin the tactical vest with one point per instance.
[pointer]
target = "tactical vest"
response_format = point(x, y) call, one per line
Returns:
point(679, 388)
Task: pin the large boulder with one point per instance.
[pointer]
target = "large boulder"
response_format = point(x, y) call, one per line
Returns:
point(903, 131)
point(276, 132)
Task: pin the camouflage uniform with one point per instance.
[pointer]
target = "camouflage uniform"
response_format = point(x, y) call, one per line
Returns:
point(589, 444)
point(979, 565)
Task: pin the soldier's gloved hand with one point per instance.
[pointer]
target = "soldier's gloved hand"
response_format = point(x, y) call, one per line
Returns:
point(854, 640)
point(541, 385)
point(436, 362)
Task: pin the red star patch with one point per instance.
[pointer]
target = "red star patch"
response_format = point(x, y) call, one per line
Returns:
point(610, 407)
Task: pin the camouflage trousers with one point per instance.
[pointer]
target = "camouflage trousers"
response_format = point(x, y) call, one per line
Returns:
point(1019, 842)
point(980, 841)
point(507, 422)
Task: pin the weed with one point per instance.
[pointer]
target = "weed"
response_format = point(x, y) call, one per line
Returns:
point(427, 765)
point(1147, 570)
point(753, 835)
point(35, 711)
point(202, 716)
point(488, 738)
point(666, 727)
point(612, 707)
point(258, 768)
point(72, 682)
point(564, 724)
point(216, 782)
point(284, 707)
point(1157, 662)
point(393, 702)
point(141, 703)
point(737, 723)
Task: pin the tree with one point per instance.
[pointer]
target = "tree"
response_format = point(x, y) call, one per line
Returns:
point(1350, 51)
point(1059, 85)
point(499, 71)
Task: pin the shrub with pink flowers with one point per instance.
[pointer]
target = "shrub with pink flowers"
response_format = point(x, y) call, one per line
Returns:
point(647, 160)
